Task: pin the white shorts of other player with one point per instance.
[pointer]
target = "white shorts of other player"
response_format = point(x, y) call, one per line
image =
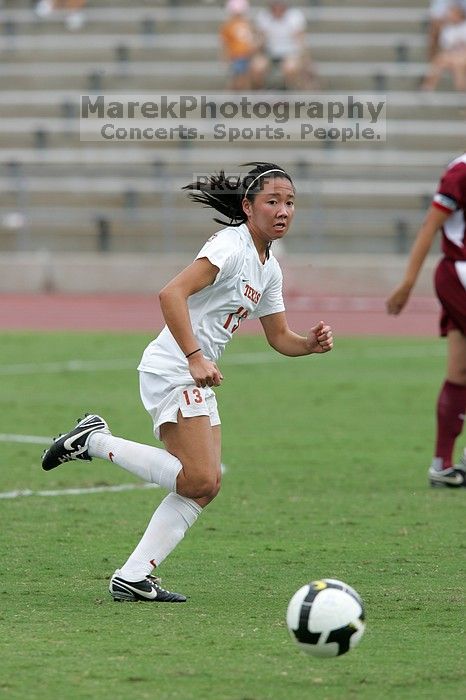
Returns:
point(162, 401)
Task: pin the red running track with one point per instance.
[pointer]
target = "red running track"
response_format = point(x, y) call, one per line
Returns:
point(349, 316)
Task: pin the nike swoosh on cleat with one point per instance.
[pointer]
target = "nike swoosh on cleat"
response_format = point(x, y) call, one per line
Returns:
point(149, 595)
point(145, 594)
point(455, 479)
point(68, 443)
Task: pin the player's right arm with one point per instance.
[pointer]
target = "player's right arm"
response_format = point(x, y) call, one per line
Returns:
point(174, 304)
point(434, 220)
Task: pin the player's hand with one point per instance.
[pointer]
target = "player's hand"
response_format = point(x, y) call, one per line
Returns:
point(320, 338)
point(204, 371)
point(397, 300)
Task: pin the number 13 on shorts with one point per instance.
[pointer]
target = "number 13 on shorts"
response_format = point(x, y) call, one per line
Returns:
point(192, 396)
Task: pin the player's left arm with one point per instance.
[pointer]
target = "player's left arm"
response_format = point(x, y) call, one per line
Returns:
point(285, 341)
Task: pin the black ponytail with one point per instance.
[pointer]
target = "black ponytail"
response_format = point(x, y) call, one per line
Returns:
point(225, 193)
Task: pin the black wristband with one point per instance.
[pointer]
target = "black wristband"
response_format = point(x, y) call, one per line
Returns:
point(193, 352)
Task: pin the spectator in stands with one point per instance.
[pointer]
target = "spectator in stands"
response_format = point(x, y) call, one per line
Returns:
point(437, 12)
point(283, 35)
point(447, 213)
point(240, 44)
point(74, 17)
point(452, 54)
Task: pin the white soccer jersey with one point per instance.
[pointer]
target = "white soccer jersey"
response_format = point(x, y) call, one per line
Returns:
point(244, 288)
point(451, 198)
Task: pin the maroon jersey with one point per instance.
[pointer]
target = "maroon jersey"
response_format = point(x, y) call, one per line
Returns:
point(451, 198)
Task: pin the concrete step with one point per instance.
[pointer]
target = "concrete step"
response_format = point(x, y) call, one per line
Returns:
point(378, 46)
point(42, 104)
point(173, 159)
point(27, 131)
point(203, 17)
point(156, 230)
point(420, 110)
point(385, 172)
point(182, 5)
point(134, 192)
point(328, 52)
point(149, 76)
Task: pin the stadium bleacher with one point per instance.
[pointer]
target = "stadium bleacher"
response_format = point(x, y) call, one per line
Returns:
point(62, 194)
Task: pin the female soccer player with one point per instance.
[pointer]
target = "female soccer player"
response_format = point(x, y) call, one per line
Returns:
point(448, 213)
point(235, 276)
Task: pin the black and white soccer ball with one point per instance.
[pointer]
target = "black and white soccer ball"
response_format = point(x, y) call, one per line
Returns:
point(326, 618)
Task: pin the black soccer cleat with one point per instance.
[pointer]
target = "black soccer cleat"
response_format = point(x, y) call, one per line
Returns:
point(73, 445)
point(148, 590)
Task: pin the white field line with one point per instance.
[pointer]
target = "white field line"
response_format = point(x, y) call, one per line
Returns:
point(67, 366)
point(404, 352)
point(110, 365)
point(33, 439)
point(246, 358)
point(77, 491)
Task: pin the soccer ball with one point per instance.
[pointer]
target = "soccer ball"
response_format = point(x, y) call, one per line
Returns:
point(326, 618)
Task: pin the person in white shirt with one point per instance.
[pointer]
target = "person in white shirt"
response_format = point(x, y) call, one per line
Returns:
point(283, 32)
point(438, 10)
point(235, 276)
point(451, 56)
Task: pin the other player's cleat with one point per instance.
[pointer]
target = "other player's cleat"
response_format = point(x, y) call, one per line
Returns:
point(73, 445)
point(148, 590)
point(453, 477)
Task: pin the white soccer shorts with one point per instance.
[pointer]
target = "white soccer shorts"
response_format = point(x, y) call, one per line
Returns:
point(163, 401)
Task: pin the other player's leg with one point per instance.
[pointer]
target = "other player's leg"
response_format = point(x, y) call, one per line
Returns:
point(451, 407)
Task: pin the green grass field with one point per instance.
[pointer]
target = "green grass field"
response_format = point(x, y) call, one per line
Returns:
point(327, 460)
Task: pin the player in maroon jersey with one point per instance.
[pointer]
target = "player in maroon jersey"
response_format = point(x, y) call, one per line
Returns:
point(448, 214)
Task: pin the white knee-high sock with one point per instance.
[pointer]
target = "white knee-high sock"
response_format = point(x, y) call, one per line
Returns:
point(149, 463)
point(165, 530)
